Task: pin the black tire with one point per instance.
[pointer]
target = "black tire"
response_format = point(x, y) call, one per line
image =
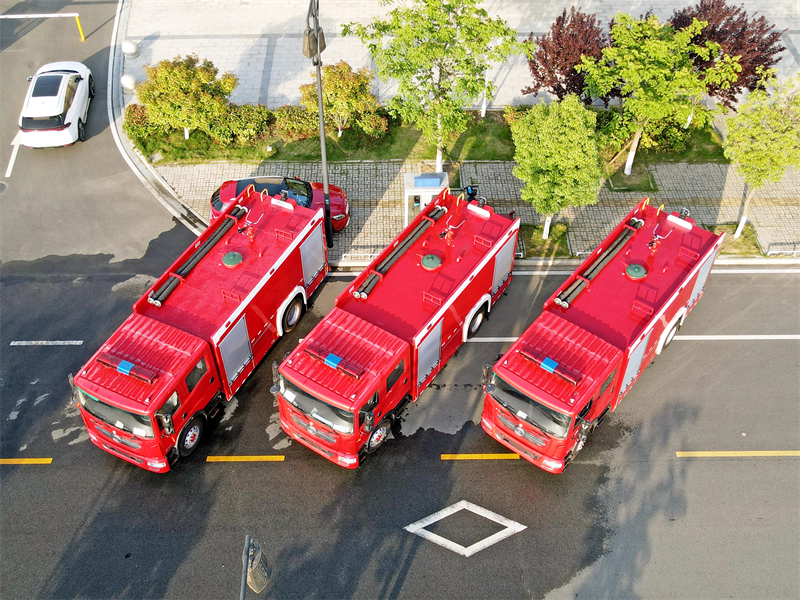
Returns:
point(81, 131)
point(378, 436)
point(671, 335)
point(292, 314)
point(91, 87)
point(477, 320)
point(191, 435)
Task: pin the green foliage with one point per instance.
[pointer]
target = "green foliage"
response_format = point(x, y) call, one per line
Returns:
point(373, 125)
point(438, 52)
point(295, 123)
point(764, 136)
point(557, 156)
point(346, 97)
point(248, 123)
point(652, 66)
point(185, 93)
point(136, 124)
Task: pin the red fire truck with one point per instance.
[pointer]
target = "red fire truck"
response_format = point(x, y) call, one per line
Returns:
point(597, 333)
point(201, 329)
point(394, 328)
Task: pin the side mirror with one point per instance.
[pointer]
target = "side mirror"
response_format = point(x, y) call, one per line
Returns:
point(486, 373)
point(30, 78)
point(165, 422)
point(369, 422)
point(275, 385)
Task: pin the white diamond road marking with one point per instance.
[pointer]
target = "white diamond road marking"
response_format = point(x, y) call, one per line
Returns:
point(511, 527)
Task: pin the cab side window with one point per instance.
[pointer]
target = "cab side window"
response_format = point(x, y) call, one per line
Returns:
point(368, 407)
point(395, 375)
point(196, 374)
point(170, 406)
point(608, 382)
point(585, 410)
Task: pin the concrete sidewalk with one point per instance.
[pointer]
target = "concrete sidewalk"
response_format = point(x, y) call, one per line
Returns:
point(264, 51)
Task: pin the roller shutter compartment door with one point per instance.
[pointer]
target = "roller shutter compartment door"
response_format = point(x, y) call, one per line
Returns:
point(502, 264)
point(312, 253)
point(429, 353)
point(235, 350)
point(634, 363)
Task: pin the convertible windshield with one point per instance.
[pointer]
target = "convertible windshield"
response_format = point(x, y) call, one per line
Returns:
point(299, 192)
point(336, 418)
point(138, 425)
point(548, 420)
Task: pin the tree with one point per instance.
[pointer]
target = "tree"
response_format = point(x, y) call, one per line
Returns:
point(764, 136)
point(754, 41)
point(651, 64)
point(557, 156)
point(346, 94)
point(554, 56)
point(185, 93)
point(438, 52)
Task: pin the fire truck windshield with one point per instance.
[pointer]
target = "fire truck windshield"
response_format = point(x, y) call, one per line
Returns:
point(545, 418)
point(336, 418)
point(138, 425)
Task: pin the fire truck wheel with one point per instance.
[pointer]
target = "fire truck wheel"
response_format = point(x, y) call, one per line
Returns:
point(191, 435)
point(476, 322)
point(671, 335)
point(379, 435)
point(292, 314)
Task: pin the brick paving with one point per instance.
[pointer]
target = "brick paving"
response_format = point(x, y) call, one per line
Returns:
point(713, 193)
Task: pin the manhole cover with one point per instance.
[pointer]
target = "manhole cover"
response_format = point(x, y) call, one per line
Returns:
point(231, 259)
point(636, 271)
point(431, 262)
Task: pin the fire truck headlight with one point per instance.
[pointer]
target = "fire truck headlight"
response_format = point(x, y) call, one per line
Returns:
point(488, 426)
point(552, 464)
point(157, 464)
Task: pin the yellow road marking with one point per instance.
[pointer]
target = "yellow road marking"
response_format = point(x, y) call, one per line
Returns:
point(480, 456)
point(264, 458)
point(738, 454)
point(25, 461)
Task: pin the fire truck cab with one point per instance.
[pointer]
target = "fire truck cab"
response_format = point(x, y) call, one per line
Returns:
point(201, 329)
point(394, 328)
point(596, 335)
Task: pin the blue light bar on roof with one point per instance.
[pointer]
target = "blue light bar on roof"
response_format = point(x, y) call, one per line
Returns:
point(332, 360)
point(549, 365)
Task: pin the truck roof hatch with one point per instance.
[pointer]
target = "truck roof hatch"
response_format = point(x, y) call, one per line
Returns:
point(335, 362)
point(126, 367)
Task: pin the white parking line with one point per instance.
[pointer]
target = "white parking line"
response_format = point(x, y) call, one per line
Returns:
point(47, 343)
point(685, 338)
point(13, 158)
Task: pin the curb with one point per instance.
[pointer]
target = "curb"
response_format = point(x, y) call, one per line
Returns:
point(573, 263)
point(154, 183)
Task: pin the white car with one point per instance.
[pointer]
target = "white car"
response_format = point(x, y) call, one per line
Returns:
point(56, 105)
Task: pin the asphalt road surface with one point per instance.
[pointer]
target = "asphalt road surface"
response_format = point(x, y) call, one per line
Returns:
point(627, 519)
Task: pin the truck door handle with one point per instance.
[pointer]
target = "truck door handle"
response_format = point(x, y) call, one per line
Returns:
point(211, 380)
point(405, 381)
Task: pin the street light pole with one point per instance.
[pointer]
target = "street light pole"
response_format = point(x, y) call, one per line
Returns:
point(313, 11)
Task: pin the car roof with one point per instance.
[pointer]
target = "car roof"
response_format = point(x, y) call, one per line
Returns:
point(48, 88)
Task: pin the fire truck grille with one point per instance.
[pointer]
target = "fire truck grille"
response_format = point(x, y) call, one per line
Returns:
point(313, 430)
point(317, 447)
point(122, 453)
point(511, 426)
point(517, 447)
point(118, 439)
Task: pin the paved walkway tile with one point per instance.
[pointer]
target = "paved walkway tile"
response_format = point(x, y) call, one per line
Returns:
point(712, 192)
